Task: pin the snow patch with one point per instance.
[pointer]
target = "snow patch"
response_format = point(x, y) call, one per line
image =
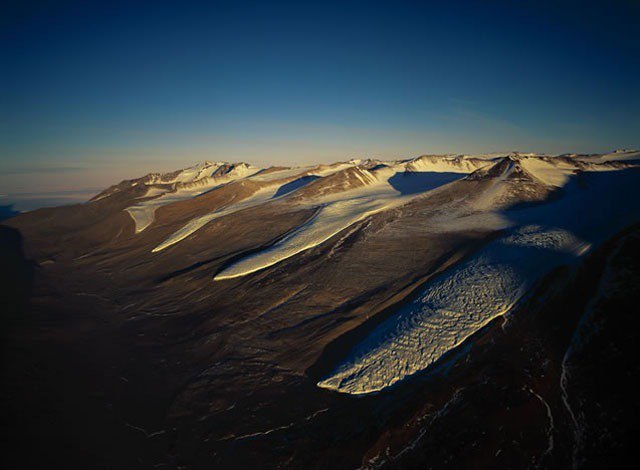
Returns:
point(338, 211)
point(259, 197)
point(451, 308)
point(143, 213)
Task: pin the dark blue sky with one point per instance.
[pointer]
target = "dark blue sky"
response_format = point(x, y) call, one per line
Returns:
point(163, 83)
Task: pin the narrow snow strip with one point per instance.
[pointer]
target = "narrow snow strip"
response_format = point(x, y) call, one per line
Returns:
point(452, 308)
point(577, 428)
point(578, 334)
point(266, 194)
point(380, 462)
point(143, 213)
point(551, 428)
point(330, 220)
point(339, 211)
point(153, 191)
point(259, 197)
point(279, 174)
point(331, 169)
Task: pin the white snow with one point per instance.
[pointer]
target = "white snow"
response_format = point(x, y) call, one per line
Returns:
point(340, 210)
point(143, 213)
point(330, 220)
point(448, 164)
point(374, 181)
point(279, 174)
point(551, 172)
point(454, 306)
point(261, 196)
point(195, 173)
point(451, 308)
point(383, 188)
point(326, 170)
point(153, 191)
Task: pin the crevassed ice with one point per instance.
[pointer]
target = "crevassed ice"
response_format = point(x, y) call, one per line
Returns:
point(452, 308)
point(535, 236)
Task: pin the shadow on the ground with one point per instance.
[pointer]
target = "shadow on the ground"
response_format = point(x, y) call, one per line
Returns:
point(295, 184)
point(418, 182)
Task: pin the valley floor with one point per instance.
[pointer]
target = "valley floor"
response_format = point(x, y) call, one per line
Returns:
point(80, 392)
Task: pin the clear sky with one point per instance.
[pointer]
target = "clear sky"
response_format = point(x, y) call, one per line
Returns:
point(93, 92)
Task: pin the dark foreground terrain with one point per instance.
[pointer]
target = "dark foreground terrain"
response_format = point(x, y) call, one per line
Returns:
point(117, 357)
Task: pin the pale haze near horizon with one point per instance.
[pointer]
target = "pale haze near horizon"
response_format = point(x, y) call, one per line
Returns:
point(96, 93)
point(69, 180)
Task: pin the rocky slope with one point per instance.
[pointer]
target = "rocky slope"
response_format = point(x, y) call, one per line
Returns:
point(367, 314)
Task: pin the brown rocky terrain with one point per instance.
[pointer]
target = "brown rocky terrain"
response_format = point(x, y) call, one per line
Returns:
point(119, 356)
